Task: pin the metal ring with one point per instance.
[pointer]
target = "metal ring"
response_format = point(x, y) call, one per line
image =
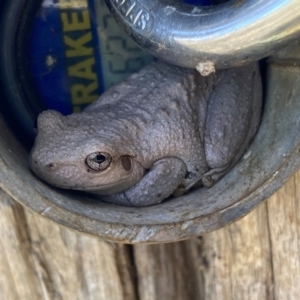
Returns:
point(220, 36)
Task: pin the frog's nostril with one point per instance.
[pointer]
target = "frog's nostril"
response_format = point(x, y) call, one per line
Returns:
point(50, 165)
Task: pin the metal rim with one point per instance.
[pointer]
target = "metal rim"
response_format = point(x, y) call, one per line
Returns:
point(272, 158)
point(206, 38)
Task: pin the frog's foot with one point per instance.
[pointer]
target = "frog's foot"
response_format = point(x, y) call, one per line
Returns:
point(214, 175)
point(160, 182)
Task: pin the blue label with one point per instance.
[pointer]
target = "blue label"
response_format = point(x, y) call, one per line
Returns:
point(78, 51)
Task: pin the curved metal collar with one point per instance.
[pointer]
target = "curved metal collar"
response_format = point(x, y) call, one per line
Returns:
point(219, 36)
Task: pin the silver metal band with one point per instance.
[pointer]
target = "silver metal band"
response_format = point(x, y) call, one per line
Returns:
point(219, 36)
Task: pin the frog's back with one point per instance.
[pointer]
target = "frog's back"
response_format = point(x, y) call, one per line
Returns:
point(163, 106)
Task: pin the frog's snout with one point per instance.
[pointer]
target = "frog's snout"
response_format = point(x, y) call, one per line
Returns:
point(46, 166)
point(40, 166)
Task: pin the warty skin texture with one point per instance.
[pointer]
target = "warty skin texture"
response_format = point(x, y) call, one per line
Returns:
point(165, 128)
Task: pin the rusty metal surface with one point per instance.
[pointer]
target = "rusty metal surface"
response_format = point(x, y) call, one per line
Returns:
point(272, 158)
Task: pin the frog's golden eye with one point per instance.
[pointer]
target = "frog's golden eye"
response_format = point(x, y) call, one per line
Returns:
point(98, 161)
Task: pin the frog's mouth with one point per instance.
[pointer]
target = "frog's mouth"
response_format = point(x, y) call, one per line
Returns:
point(90, 183)
point(103, 189)
point(100, 189)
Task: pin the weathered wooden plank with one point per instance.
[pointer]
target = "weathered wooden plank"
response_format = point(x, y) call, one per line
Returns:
point(239, 259)
point(170, 271)
point(284, 223)
point(40, 260)
point(18, 276)
point(254, 258)
point(231, 263)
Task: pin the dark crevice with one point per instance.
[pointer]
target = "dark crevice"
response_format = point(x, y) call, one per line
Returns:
point(270, 291)
point(134, 271)
point(127, 271)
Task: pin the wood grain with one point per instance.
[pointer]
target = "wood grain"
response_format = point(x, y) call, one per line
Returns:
point(256, 257)
point(40, 260)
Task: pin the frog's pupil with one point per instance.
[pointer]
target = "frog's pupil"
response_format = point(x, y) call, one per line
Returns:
point(99, 158)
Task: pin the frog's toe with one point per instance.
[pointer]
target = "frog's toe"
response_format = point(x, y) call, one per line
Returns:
point(214, 175)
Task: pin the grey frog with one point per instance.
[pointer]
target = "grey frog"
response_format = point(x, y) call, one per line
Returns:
point(158, 133)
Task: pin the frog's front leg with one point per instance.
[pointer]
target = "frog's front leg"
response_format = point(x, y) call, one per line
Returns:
point(159, 182)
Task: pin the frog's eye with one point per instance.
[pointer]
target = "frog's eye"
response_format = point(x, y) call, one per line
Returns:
point(98, 161)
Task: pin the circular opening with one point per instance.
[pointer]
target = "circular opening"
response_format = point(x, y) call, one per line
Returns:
point(271, 158)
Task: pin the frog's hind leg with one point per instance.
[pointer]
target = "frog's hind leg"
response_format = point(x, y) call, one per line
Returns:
point(233, 116)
